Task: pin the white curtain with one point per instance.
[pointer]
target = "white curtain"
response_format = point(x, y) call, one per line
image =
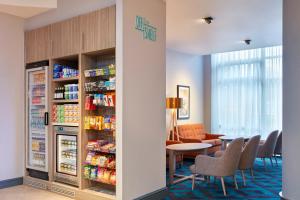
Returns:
point(247, 92)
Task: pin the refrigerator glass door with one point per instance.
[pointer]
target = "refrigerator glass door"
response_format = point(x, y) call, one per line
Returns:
point(66, 154)
point(36, 104)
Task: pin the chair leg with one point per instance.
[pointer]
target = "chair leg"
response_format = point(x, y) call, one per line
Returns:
point(193, 182)
point(223, 186)
point(208, 179)
point(235, 182)
point(243, 176)
point(181, 164)
point(271, 161)
point(252, 172)
point(276, 160)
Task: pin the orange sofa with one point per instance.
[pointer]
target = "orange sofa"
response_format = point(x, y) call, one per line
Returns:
point(195, 133)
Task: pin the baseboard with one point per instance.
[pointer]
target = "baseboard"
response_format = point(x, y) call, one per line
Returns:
point(156, 195)
point(11, 182)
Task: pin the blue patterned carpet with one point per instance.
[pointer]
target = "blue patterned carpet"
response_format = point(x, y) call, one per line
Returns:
point(266, 185)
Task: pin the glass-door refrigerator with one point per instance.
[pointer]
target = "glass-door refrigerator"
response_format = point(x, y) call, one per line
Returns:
point(37, 120)
point(66, 170)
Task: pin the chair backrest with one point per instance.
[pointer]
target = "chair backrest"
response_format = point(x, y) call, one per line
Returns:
point(249, 153)
point(269, 145)
point(231, 156)
point(278, 147)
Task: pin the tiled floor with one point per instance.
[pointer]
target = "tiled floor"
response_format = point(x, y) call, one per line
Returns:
point(28, 193)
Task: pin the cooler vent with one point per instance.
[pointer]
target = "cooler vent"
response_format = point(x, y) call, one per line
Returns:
point(63, 191)
point(36, 184)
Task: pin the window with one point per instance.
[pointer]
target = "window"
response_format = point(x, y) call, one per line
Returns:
point(247, 92)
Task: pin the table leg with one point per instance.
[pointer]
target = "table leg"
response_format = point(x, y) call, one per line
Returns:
point(224, 144)
point(172, 165)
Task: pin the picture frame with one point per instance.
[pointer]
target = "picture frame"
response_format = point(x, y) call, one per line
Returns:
point(184, 93)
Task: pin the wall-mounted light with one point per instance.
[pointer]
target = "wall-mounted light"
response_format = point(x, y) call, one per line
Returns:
point(207, 20)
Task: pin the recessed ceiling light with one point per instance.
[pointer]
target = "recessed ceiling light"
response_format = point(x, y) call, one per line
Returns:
point(247, 41)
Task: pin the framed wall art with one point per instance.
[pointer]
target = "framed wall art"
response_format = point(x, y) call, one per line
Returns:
point(184, 93)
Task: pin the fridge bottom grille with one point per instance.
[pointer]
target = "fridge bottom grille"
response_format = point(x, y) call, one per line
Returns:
point(63, 191)
point(35, 184)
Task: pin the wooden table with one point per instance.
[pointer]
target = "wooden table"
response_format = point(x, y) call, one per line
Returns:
point(179, 149)
point(227, 139)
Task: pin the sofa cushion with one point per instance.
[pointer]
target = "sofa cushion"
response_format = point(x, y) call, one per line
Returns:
point(195, 131)
point(213, 142)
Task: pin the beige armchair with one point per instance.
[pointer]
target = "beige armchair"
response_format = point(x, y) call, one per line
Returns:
point(266, 149)
point(248, 156)
point(278, 147)
point(225, 165)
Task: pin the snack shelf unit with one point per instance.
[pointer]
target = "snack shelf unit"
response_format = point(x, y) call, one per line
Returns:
point(96, 176)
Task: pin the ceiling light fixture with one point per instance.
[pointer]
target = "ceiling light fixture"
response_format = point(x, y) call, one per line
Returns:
point(207, 20)
point(247, 41)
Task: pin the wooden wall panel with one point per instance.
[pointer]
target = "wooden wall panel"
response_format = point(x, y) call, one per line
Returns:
point(98, 30)
point(37, 44)
point(65, 38)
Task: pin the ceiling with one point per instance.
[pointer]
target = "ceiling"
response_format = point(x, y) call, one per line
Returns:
point(26, 8)
point(234, 21)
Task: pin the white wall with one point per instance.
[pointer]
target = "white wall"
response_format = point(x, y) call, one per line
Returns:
point(12, 97)
point(141, 100)
point(66, 9)
point(291, 99)
point(186, 69)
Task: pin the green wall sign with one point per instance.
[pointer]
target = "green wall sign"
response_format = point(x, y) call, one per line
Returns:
point(143, 25)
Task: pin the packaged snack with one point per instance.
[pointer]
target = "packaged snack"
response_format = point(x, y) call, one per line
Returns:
point(106, 176)
point(113, 123)
point(111, 163)
point(91, 144)
point(106, 123)
point(87, 171)
point(105, 100)
point(102, 161)
point(92, 122)
point(95, 160)
point(113, 179)
point(111, 100)
point(94, 173)
point(89, 157)
point(87, 122)
point(100, 174)
point(112, 69)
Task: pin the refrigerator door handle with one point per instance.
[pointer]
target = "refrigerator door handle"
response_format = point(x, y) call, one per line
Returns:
point(46, 119)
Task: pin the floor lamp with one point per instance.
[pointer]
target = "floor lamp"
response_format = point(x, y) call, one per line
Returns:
point(173, 103)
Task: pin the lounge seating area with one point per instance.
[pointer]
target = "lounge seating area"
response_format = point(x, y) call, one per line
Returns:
point(240, 158)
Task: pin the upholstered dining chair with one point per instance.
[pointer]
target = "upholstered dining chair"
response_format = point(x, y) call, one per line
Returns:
point(278, 147)
point(248, 156)
point(225, 165)
point(266, 149)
